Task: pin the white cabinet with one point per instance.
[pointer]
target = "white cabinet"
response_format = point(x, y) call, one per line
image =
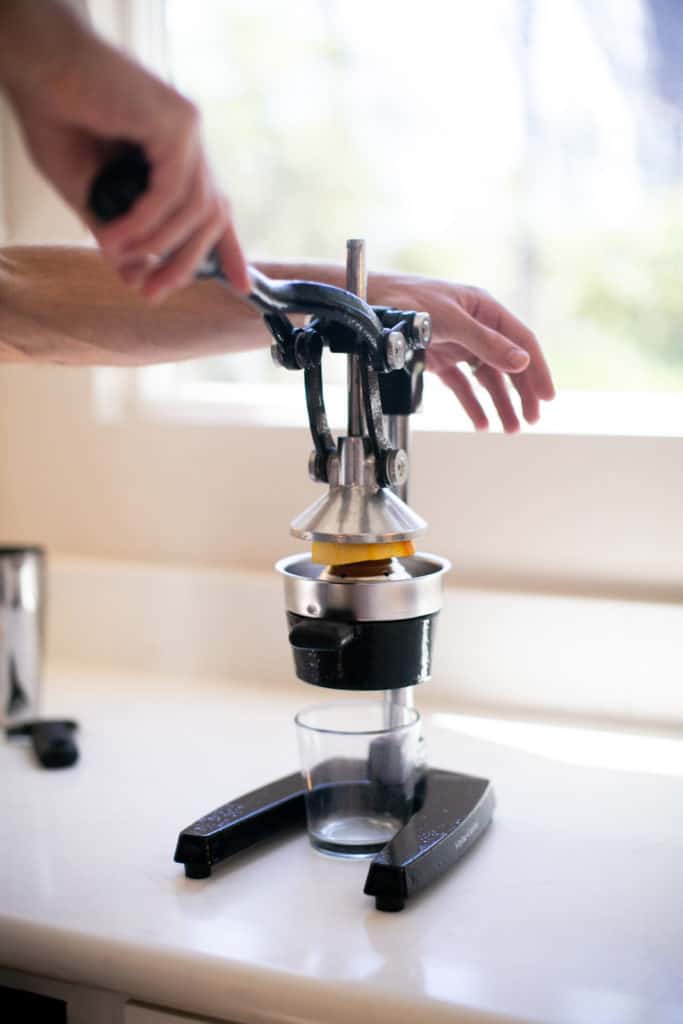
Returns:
point(83, 1005)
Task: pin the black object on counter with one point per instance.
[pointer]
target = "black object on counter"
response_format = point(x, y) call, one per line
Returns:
point(451, 811)
point(52, 740)
point(455, 810)
point(240, 824)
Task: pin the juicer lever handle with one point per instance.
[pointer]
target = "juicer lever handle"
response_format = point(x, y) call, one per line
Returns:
point(121, 182)
point(321, 636)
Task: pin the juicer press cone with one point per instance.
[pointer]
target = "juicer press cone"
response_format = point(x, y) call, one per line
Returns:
point(358, 515)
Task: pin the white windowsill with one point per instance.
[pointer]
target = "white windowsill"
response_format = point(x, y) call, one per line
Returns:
point(583, 413)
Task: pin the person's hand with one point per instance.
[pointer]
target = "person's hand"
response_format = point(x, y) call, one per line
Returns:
point(470, 327)
point(75, 105)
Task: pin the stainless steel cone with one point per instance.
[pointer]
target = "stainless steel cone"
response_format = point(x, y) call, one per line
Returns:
point(358, 515)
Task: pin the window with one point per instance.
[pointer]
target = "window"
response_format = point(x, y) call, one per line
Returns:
point(536, 149)
point(578, 514)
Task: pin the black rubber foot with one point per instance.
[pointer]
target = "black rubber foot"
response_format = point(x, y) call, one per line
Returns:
point(453, 813)
point(391, 904)
point(197, 871)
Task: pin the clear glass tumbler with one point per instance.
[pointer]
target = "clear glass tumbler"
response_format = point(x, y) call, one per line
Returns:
point(361, 766)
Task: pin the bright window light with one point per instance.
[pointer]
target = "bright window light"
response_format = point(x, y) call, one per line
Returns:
point(535, 149)
point(600, 748)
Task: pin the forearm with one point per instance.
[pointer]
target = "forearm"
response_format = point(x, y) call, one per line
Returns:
point(66, 305)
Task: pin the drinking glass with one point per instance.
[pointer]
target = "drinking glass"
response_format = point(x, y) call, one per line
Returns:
point(361, 764)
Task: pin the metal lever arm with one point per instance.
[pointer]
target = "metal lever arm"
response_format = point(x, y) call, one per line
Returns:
point(324, 301)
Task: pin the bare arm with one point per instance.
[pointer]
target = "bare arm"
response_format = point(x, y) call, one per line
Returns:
point(66, 305)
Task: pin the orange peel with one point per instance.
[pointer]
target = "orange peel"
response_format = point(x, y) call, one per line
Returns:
point(324, 553)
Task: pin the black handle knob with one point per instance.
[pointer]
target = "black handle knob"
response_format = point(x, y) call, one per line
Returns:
point(120, 182)
point(321, 635)
point(116, 188)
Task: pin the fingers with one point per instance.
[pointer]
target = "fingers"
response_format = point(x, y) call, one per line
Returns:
point(232, 258)
point(489, 345)
point(178, 269)
point(202, 215)
point(456, 380)
point(538, 371)
point(169, 196)
point(174, 160)
point(533, 384)
point(490, 312)
point(524, 386)
point(181, 222)
point(442, 360)
point(179, 219)
point(495, 384)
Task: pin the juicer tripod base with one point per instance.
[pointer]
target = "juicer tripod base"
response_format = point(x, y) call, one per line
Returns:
point(451, 813)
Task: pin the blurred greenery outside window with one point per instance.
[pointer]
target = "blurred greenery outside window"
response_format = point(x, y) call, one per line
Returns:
point(533, 147)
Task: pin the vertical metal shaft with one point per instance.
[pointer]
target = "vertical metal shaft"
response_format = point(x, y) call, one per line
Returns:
point(356, 282)
point(398, 429)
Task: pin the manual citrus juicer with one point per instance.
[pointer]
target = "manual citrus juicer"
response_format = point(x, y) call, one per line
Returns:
point(362, 606)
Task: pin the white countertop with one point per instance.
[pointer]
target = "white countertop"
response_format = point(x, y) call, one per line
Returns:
point(570, 910)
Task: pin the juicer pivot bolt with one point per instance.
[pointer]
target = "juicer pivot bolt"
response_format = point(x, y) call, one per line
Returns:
point(396, 467)
point(323, 468)
point(298, 349)
point(422, 328)
point(395, 350)
point(314, 467)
